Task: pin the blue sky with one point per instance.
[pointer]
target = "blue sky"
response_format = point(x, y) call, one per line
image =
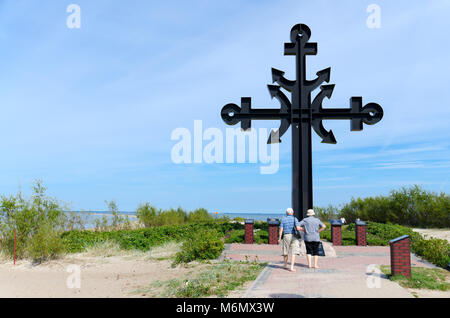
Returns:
point(90, 111)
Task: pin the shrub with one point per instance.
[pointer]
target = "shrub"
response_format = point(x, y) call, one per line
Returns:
point(199, 215)
point(45, 244)
point(147, 215)
point(117, 221)
point(408, 206)
point(376, 209)
point(202, 245)
point(328, 213)
point(38, 222)
point(171, 217)
point(141, 239)
point(261, 237)
point(76, 220)
point(378, 234)
point(348, 236)
point(151, 216)
point(436, 251)
point(261, 225)
point(237, 236)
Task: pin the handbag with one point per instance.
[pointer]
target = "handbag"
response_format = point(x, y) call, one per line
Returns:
point(321, 251)
point(296, 232)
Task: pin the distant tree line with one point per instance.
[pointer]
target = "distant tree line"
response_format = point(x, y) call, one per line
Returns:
point(411, 206)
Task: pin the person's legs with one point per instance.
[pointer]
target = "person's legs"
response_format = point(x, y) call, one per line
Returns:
point(315, 252)
point(285, 257)
point(286, 245)
point(295, 249)
point(308, 257)
point(292, 262)
point(308, 253)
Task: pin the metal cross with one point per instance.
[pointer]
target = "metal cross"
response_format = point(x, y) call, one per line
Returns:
point(301, 114)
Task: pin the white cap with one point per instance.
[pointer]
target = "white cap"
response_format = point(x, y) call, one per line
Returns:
point(289, 211)
point(310, 212)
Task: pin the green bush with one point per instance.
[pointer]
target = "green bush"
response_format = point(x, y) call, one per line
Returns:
point(236, 236)
point(117, 221)
point(261, 237)
point(408, 206)
point(45, 244)
point(328, 213)
point(261, 225)
point(378, 234)
point(199, 215)
point(436, 251)
point(150, 216)
point(147, 215)
point(171, 217)
point(144, 238)
point(38, 222)
point(202, 245)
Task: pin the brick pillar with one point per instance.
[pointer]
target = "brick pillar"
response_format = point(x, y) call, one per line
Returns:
point(400, 256)
point(336, 232)
point(273, 230)
point(361, 233)
point(249, 231)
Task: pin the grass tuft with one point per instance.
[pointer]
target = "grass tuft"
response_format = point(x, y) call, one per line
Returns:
point(104, 249)
point(166, 251)
point(217, 279)
point(421, 278)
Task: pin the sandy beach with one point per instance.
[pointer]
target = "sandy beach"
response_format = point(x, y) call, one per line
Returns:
point(436, 233)
point(114, 274)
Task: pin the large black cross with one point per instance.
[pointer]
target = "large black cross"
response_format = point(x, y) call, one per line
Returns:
point(301, 113)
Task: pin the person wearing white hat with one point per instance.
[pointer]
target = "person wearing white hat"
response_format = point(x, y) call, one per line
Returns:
point(290, 243)
point(312, 227)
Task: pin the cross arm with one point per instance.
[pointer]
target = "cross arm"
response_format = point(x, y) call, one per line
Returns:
point(370, 114)
point(233, 114)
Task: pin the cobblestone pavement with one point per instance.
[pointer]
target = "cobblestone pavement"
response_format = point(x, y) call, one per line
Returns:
point(346, 271)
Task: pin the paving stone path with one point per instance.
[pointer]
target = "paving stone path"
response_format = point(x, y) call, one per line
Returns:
point(346, 271)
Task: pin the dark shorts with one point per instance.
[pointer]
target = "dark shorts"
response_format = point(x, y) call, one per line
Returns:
point(312, 248)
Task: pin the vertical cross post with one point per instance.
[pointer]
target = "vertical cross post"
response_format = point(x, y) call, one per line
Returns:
point(302, 190)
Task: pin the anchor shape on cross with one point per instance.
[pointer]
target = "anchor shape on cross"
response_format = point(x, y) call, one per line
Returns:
point(301, 114)
point(300, 107)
